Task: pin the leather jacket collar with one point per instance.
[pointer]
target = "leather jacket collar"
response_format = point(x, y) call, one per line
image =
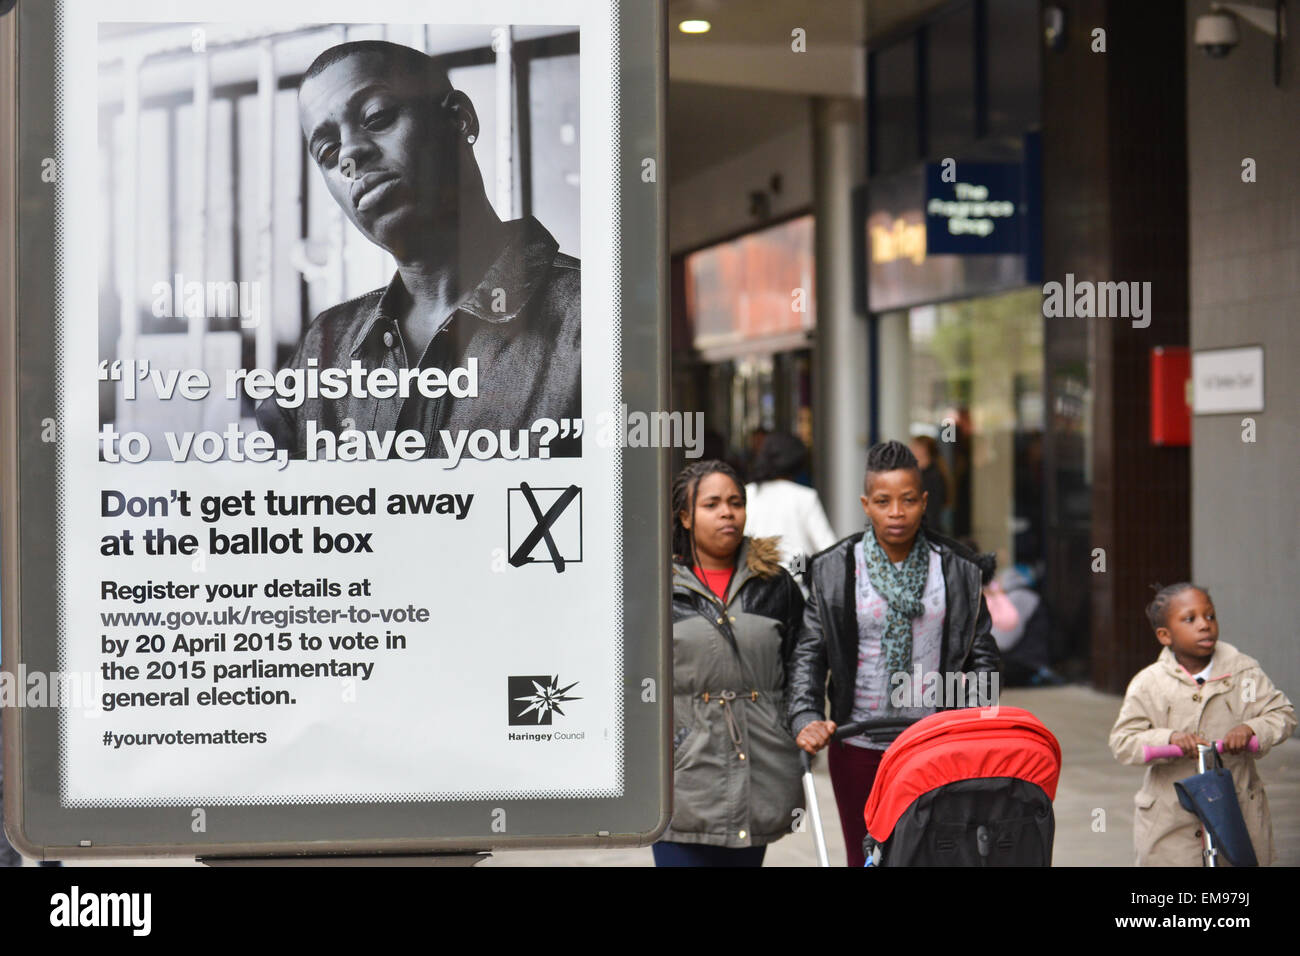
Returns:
point(828, 645)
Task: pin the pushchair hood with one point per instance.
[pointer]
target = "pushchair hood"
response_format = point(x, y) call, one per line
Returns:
point(955, 745)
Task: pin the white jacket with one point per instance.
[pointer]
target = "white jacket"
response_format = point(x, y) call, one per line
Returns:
point(791, 511)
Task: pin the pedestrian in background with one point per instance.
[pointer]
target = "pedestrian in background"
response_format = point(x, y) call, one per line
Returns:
point(736, 614)
point(778, 505)
point(886, 602)
point(935, 481)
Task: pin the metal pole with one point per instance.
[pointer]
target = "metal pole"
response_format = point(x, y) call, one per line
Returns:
point(1208, 852)
point(814, 811)
point(841, 409)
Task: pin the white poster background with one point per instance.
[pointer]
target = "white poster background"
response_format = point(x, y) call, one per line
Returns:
point(431, 723)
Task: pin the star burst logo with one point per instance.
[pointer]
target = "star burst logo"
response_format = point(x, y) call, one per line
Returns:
point(533, 700)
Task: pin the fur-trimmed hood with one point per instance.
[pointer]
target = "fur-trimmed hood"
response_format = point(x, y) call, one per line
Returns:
point(763, 556)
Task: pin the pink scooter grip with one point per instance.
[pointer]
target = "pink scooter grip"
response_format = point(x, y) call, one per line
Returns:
point(1150, 753)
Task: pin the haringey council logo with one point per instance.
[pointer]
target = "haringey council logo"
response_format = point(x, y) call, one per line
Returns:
point(534, 699)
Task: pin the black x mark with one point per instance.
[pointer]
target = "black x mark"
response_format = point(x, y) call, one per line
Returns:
point(543, 529)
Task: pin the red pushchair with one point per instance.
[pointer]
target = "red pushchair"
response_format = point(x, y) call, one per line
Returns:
point(968, 787)
point(971, 787)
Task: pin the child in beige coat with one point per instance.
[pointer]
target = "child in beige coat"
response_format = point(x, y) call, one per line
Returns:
point(1199, 690)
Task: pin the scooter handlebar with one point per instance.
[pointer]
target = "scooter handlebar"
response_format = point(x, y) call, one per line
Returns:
point(1150, 753)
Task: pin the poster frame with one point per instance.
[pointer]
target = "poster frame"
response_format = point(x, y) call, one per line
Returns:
point(34, 821)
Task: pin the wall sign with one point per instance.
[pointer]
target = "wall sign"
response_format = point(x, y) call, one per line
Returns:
point(899, 265)
point(1228, 380)
point(974, 208)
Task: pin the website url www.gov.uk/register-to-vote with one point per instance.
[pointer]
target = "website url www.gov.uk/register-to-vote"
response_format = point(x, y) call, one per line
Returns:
point(265, 617)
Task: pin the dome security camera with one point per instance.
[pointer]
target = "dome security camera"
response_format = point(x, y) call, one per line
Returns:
point(1217, 33)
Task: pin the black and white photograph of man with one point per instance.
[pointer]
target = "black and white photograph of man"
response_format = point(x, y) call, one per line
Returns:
point(394, 202)
point(394, 143)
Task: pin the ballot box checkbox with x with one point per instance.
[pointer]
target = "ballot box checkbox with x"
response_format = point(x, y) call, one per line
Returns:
point(544, 525)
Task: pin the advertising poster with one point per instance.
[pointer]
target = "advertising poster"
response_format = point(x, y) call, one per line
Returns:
point(338, 384)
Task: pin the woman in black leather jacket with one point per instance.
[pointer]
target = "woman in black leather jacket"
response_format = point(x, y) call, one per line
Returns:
point(897, 619)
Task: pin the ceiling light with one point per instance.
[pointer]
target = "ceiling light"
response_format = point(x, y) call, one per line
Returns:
point(694, 26)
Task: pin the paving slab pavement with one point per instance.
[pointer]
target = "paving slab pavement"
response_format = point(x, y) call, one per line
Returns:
point(1094, 802)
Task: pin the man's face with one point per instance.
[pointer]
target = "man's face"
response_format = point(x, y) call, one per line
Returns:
point(388, 150)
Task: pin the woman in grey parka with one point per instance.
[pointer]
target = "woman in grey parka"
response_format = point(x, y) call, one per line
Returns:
point(736, 614)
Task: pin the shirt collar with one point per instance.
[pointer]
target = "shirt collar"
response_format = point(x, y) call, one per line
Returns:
point(1186, 676)
point(519, 270)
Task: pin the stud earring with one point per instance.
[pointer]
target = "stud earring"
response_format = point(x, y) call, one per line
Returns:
point(470, 139)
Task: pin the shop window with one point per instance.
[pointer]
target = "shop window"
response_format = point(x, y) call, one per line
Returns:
point(893, 97)
point(977, 387)
point(1014, 42)
point(950, 80)
point(750, 308)
point(968, 76)
point(754, 293)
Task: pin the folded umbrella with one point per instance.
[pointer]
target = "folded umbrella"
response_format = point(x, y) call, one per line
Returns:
point(1212, 797)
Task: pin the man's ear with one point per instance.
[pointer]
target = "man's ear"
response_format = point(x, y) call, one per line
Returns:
point(462, 114)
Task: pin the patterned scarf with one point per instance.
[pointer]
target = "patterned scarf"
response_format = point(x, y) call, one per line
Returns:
point(902, 588)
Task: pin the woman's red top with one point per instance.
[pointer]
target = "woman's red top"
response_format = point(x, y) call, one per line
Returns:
point(716, 580)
